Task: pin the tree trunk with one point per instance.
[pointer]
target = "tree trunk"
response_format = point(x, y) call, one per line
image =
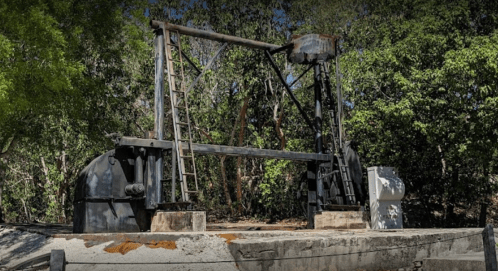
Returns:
point(47, 179)
point(225, 184)
point(243, 112)
point(2, 176)
point(486, 199)
point(276, 117)
point(450, 203)
point(3, 161)
point(63, 186)
point(223, 169)
point(28, 216)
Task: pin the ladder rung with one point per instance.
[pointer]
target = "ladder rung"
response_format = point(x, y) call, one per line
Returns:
point(193, 192)
point(172, 44)
point(189, 173)
point(187, 156)
point(178, 91)
point(182, 123)
point(184, 107)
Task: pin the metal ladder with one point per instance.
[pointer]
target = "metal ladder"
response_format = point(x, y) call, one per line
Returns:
point(341, 156)
point(181, 119)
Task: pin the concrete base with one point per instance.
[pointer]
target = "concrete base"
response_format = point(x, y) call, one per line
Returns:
point(459, 262)
point(341, 220)
point(178, 221)
point(338, 250)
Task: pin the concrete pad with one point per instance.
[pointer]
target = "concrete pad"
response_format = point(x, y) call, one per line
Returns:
point(458, 262)
point(341, 220)
point(243, 250)
point(178, 221)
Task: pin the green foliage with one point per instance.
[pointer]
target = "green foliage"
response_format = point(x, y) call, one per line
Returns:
point(419, 81)
point(421, 76)
point(65, 81)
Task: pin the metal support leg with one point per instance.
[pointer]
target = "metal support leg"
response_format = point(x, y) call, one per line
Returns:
point(310, 176)
point(318, 136)
point(159, 114)
point(154, 190)
point(151, 179)
point(159, 177)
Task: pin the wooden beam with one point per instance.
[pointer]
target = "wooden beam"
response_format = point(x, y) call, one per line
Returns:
point(226, 150)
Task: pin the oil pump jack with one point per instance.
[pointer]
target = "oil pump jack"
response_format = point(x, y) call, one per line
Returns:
point(121, 189)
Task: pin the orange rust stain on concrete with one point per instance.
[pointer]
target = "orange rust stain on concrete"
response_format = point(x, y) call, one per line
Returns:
point(163, 244)
point(123, 248)
point(228, 236)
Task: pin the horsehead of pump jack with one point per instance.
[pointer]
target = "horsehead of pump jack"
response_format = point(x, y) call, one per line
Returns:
point(122, 189)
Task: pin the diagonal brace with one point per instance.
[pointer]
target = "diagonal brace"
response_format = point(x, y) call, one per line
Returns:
point(187, 58)
point(305, 72)
point(211, 61)
point(289, 91)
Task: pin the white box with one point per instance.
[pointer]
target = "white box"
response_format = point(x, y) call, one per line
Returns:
point(386, 191)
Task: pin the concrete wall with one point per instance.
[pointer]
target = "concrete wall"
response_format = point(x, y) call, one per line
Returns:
point(380, 250)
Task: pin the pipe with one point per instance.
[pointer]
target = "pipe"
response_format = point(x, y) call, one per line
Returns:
point(139, 166)
point(213, 35)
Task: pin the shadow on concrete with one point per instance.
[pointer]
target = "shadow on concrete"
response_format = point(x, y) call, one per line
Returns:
point(25, 244)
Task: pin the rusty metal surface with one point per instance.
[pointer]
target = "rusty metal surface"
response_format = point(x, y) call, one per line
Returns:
point(311, 48)
point(213, 35)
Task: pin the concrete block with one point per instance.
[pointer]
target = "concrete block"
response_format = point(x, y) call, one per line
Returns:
point(178, 221)
point(57, 260)
point(386, 191)
point(341, 220)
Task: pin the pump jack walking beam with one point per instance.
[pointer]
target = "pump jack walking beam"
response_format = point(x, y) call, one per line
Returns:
point(213, 36)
